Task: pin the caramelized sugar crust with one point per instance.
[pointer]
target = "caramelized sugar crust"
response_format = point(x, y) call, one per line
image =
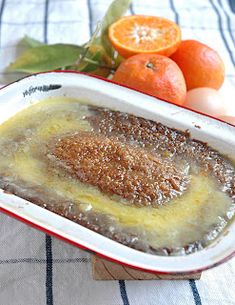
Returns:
point(119, 169)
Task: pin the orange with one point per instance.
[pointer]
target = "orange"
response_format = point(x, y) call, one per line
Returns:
point(153, 74)
point(144, 34)
point(201, 65)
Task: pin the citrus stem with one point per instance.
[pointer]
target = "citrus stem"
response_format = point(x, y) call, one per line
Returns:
point(96, 63)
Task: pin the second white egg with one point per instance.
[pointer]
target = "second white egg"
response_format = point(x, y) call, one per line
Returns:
point(206, 100)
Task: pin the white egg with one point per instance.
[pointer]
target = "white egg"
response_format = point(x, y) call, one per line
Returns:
point(206, 100)
point(227, 118)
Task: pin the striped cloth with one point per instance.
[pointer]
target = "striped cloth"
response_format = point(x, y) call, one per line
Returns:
point(36, 269)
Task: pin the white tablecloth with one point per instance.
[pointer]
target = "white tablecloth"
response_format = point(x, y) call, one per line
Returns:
point(36, 269)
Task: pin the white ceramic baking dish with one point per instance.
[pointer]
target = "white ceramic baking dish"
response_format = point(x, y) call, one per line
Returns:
point(221, 136)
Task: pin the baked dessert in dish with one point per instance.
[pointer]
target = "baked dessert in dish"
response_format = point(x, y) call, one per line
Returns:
point(138, 182)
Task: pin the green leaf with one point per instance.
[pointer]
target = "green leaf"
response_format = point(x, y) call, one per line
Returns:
point(46, 57)
point(30, 42)
point(114, 12)
point(91, 63)
point(94, 36)
point(97, 53)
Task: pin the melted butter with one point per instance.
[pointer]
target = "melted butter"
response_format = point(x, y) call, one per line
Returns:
point(183, 220)
point(23, 144)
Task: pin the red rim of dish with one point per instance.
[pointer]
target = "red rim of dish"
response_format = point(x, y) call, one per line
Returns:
point(41, 228)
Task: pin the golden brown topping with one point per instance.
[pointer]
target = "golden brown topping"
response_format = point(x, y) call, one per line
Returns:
point(167, 141)
point(118, 168)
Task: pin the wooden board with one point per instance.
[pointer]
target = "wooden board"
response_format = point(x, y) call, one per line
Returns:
point(106, 270)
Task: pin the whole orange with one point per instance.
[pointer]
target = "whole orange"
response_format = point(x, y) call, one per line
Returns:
point(201, 65)
point(153, 74)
